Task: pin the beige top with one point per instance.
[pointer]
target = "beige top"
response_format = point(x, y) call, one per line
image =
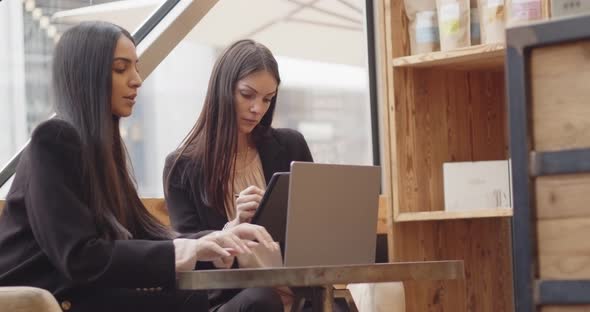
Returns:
point(251, 174)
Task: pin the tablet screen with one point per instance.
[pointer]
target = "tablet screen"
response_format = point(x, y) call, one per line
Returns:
point(272, 211)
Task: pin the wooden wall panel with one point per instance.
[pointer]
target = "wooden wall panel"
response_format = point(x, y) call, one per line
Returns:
point(484, 245)
point(404, 115)
point(488, 117)
point(430, 139)
point(444, 116)
point(559, 89)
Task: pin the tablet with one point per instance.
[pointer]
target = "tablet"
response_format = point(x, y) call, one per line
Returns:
point(272, 211)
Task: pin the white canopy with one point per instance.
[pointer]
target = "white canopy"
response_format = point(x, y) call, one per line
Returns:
point(330, 31)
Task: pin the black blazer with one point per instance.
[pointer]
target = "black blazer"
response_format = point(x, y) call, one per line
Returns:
point(48, 238)
point(187, 211)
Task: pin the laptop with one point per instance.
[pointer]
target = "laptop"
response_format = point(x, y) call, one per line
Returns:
point(330, 215)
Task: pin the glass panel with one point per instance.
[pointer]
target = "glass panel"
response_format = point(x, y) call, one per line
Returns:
point(321, 50)
point(30, 28)
point(320, 46)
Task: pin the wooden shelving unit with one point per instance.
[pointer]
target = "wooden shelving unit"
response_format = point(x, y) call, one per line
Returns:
point(444, 107)
point(487, 56)
point(453, 215)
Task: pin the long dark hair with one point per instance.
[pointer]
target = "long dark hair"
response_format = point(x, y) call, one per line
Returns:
point(82, 85)
point(211, 145)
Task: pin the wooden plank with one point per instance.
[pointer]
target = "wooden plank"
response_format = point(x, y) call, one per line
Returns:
point(487, 115)
point(387, 132)
point(564, 266)
point(564, 196)
point(563, 251)
point(546, 9)
point(320, 275)
point(405, 142)
point(483, 56)
point(400, 38)
point(382, 216)
point(1, 206)
point(459, 116)
point(431, 147)
point(398, 45)
point(484, 245)
point(452, 215)
point(157, 207)
point(559, 91)
point(564, 236)
point(419, 242)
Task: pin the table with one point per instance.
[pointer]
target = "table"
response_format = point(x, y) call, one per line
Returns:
point(319, 279)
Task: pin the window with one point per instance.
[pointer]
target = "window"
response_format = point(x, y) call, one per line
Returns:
point(321, 49)
point(29, 30)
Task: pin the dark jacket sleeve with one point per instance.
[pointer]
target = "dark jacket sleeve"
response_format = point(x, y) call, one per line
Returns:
point(64, 227)
point(183, 210)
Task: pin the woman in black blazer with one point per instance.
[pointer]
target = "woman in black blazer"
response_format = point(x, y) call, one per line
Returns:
point(73, 222)
point(216, 178)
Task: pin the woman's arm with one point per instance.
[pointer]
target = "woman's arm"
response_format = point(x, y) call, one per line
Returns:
point(64, 226)
point(184, 212)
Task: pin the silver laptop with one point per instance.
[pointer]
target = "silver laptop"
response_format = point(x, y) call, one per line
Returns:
point(332, 214)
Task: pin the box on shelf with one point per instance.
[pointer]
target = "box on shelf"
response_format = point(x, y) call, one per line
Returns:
point(523, 11)
point(477, 185)
point(569, 7)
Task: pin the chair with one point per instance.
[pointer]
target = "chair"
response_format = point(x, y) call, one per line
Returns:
point(27, 299)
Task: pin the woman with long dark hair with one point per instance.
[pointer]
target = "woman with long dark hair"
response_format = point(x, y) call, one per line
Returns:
point(217, 177)
point(73, 222)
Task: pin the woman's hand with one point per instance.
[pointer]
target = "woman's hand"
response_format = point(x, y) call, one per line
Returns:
point(252, 232)
point(247, 203)
point(211, 247)
point(224, 262)
point(188, 251)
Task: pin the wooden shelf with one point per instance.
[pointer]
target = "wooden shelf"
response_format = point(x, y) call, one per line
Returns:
point(453, 215)
point(485, 56)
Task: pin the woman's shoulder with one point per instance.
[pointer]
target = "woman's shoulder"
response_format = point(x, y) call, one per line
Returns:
point(286, 134)
point(175, 168)
point(54, 144)
point(292, 141)
point(55, 133)
point(176, 159)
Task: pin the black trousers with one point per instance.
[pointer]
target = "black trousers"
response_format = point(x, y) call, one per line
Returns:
point(125, 300)
point(252, 300)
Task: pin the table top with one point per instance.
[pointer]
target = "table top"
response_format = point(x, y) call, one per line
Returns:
point(321, 275)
